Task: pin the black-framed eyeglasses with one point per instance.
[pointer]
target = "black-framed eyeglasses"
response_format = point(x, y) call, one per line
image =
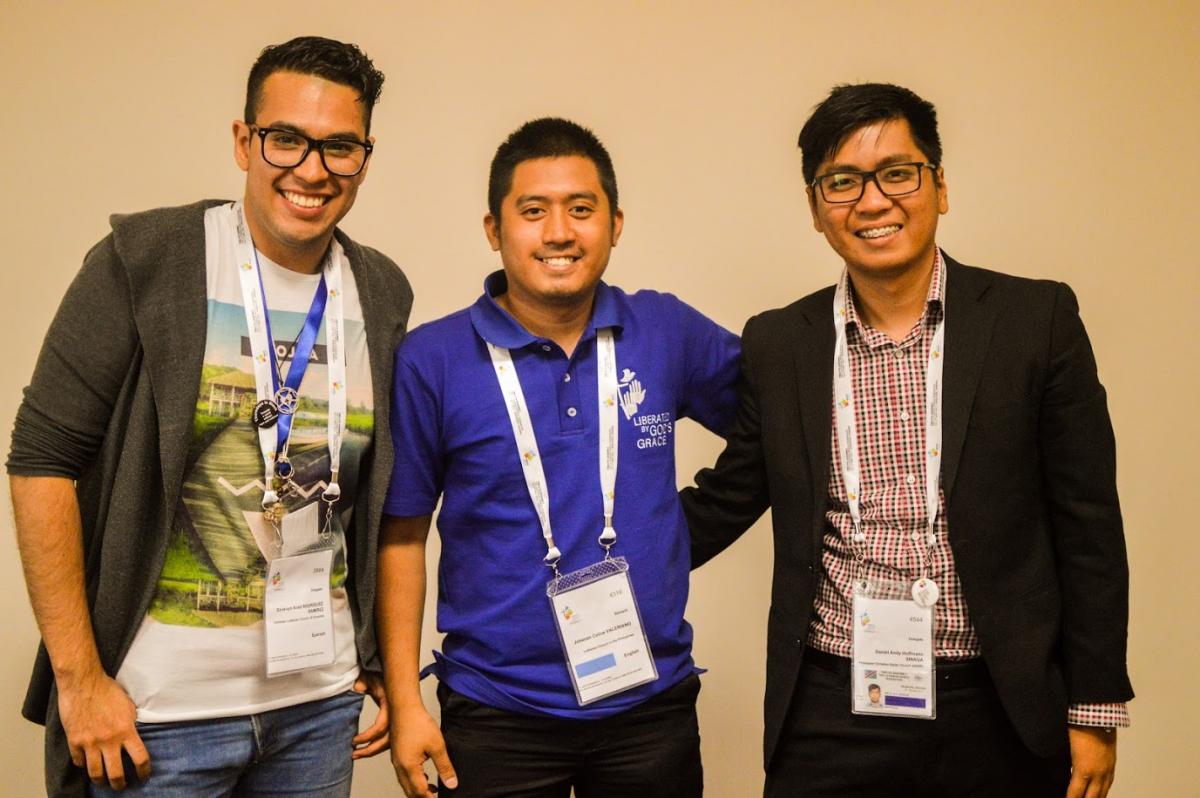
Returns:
point(893, 180)
point(287, 149)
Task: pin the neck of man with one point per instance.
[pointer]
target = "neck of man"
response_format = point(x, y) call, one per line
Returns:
point(304, 259)
point(561, 323)
point(892, 302)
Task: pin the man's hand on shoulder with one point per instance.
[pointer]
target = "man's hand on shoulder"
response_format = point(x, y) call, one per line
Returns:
point(99, 718)
point(1093, 761)
point(415, 738)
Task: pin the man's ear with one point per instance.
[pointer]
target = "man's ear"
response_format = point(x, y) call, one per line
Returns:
point(618, 224)
point(241, 144)
point(491, 227)
point(361, 176)
point(812, 208)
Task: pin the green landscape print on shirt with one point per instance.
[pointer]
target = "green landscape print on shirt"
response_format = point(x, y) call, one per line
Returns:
point(215, 569)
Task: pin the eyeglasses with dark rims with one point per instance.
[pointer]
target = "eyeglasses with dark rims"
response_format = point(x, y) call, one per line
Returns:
point(287, 149)
point(893, 180)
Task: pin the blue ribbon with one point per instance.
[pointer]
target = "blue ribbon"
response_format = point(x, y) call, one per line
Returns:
point(300, 355)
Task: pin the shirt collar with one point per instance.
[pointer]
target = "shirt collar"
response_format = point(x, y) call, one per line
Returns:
point(495, 325)
point(934, 297)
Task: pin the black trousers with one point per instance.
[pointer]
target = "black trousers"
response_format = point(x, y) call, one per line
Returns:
point(969, 751)
point(650, 751)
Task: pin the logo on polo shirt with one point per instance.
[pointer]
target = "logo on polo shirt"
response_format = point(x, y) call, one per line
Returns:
point(631, 393)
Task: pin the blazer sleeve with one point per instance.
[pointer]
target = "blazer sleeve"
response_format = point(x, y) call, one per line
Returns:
point(729, 497)
point(1078, 454)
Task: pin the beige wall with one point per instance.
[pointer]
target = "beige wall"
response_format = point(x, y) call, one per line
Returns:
point(1069, 133)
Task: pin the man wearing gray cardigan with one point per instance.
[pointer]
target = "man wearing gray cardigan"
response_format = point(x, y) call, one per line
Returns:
point(199, 465)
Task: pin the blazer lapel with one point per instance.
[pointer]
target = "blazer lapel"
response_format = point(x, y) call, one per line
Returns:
point(169, 288)
point(969, 322)
point(813, 352)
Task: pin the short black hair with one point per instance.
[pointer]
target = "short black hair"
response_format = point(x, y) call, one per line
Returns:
point(852, 106)
point(335, 61)
point(548, 137)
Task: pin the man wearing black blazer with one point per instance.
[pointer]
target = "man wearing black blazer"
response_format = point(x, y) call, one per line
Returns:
point(1021, 564)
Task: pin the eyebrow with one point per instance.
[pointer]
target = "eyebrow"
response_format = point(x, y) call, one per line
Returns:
point(341, 135)
point(578, 195)
point(888, 161)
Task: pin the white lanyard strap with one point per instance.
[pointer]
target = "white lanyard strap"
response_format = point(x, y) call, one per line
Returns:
point(849, 459)
point(255, 305)
point(526, 440)
point(606, 382)
point(335, 357)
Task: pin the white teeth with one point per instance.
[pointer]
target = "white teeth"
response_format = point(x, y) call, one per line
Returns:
point(879, 232)
point(303, 200)
point(558, 261)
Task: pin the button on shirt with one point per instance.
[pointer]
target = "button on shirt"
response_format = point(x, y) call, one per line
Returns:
point(889, 389)
point(454, 440)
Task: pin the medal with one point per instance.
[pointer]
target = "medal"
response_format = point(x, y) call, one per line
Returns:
point(283, 469)
point(925, 592)
point(287, 400)
point(265, 414)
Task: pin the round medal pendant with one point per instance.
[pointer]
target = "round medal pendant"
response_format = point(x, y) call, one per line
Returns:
point(287, 400)
point(925, 592)
point(265, 414)
point(283, 468)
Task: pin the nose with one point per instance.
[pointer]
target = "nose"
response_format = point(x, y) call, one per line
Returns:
point(557, 228)
point(873, 199)
point(312, 168)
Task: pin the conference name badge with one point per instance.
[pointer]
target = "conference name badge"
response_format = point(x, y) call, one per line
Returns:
point(600, 628)
point(298, 613)
point(892, 670)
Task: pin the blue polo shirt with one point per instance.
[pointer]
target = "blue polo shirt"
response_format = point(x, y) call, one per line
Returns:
point(454, 440)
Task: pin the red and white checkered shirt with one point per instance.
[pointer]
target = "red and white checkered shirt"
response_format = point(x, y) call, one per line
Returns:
point(889, 393)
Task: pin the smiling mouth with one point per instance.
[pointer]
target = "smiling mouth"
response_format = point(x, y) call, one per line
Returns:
point(304, 200)
point(559, 260)
point(879, 232)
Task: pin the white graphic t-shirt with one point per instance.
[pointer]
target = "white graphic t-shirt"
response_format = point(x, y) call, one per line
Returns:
point(201, 649)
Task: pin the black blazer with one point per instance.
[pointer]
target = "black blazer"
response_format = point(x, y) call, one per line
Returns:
point(1028, 472)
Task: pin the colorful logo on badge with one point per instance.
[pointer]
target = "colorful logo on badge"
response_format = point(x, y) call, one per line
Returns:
point(334, 292)
point(935, 354)
point(934, 452)
point(337, 386)
point(246, 267)
point(608, 401)
point(865, 619)
point(276, 579)
point(852, 495)
point(844, 401)
point(261, 357)
point(568, 613)
point(529, 456)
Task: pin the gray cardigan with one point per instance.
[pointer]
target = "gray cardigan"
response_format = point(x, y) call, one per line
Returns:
point(111, 403)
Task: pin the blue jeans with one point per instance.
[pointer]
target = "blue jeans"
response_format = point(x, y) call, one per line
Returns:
point(301, 751)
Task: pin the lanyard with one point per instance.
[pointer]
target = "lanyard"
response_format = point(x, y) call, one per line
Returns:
point(326, 303)
point(847, 431)
point(527, 447)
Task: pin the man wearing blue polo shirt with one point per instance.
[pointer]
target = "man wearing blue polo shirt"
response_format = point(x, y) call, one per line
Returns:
point(543, 416)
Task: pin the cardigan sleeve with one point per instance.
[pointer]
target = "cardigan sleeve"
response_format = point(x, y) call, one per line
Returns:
point(85, 358)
